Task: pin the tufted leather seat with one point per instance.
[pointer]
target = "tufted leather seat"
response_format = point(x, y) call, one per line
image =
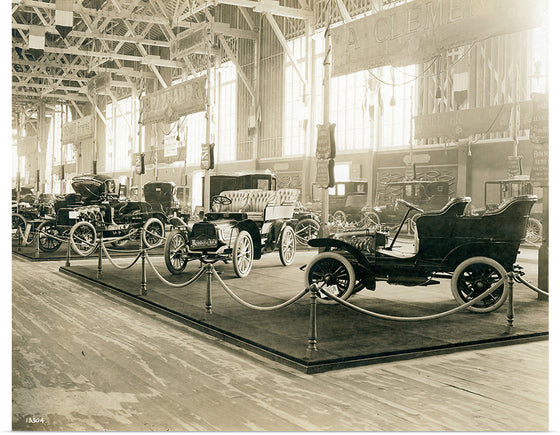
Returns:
point(239, 201)
point(287, 196)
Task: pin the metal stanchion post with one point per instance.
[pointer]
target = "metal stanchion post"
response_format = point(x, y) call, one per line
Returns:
point(19, 239)
point(312, 340)
point(143, 288)
point(99, 256)
point(68, 253)
point(37, 252)
point(510, 314)
point(208, 309)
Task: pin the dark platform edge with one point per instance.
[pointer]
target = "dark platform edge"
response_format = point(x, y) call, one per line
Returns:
point(310, 366)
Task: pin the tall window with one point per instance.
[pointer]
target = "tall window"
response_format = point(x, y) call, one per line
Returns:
point(119, 135)
point(226, 113)
point(194, 130)
point(349, 105)
point(295, 111)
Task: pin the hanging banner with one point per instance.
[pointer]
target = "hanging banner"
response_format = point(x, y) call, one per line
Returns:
point(460, 124)
point(420, 29)
point(78, 130)
point(175, 101)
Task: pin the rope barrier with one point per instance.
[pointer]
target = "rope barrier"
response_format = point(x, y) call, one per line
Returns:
point(531, 286)
point(115, 264)
point(418, 318)
point(256, 307)
point(172, 284)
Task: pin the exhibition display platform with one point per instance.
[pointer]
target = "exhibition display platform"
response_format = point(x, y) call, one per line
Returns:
point(345, 338)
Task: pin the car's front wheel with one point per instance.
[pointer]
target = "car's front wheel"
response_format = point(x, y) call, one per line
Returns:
point(473, 277)
point(287, 244)
point(175, 252)
point(333, 274)
point(83, 238)
point(242, 254)
point(49, 236)
point(153, 233)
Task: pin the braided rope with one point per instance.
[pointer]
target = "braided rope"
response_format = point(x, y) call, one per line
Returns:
point(531, 286)
point(172, 284)
point(115, 264)
point(419, 318)
point(256, 307)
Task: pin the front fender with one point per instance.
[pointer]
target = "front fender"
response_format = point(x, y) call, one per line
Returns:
point(177, 222)
point(339, 244)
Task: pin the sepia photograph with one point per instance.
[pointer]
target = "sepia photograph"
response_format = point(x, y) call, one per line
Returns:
point(279, 216)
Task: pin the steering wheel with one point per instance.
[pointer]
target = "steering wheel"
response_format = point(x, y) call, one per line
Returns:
point(409, 205)
point(219, 200)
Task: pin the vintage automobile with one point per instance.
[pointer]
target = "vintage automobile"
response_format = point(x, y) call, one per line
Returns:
point(244, 225)
point(497, 191)
point(28, 213)
point(474, 252)
point(426, 195)
point(346, 201)
point(94, 211)
point(162, 196)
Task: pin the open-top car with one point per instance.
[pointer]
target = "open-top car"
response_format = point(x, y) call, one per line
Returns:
point(475, 252)
point(94, 211)
point(243, 225)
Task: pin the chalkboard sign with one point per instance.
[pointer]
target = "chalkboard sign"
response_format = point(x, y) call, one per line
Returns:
point(539, 123)
point(326, 148)
point(539, 172)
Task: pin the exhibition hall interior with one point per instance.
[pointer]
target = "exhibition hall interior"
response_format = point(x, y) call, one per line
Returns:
point(280, 215)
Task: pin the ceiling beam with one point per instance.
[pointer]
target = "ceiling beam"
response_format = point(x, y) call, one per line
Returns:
point(98, 13)
point(149, 60)
point(99, 35)
point(63, 96)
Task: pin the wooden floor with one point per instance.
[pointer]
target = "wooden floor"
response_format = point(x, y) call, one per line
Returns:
point(85, 360)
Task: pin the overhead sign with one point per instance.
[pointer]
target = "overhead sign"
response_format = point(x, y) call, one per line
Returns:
point(419, 29)
point(171, 103)
point(325, 173)
point(460, 124)
point(326, 148)
point(207, 156)
point(77, 130)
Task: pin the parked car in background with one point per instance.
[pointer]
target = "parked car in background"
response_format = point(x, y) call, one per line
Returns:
point(94, 210)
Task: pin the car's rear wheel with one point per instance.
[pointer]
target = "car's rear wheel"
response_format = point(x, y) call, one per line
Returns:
point(242, 254)
point(473, 277)
point(49, 236)
point(339, 217)
point(306, 229)
point(153, 233)
point(333, 273)
point(287, 244)
point(534, 230)
point(83, 238)
point(175, 252)
point(18, 224)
